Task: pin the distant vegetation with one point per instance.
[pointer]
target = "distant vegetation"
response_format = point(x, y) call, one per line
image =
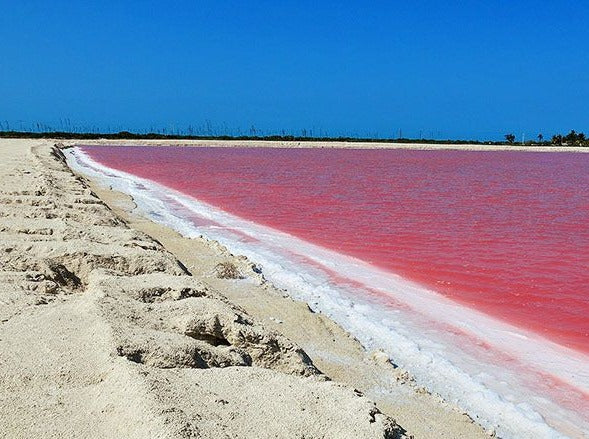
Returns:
point(180, 136)
point(571, 139)
point(510, 138)
point(44, 132)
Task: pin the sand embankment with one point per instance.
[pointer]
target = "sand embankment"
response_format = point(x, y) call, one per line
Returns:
point(330, 144)
point(104, 333)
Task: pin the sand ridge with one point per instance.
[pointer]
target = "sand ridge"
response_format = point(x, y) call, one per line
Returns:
point(326, 144)
point(104, 333)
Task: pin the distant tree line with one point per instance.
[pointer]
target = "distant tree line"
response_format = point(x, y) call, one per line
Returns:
point(304, 137)
point(571, 139)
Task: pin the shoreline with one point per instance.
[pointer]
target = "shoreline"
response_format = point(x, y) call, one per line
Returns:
point(316, 144)
point(333, 349)
point(143, 184)
point(104, 333)
point(112, 333)
point(407, 408)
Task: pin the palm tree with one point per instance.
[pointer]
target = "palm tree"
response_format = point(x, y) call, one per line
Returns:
point(510, 138)
point(556, 139)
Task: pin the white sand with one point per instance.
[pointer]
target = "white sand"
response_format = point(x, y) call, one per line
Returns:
point(316, 144)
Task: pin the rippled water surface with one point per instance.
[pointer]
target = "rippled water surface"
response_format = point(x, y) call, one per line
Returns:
point(504, 232)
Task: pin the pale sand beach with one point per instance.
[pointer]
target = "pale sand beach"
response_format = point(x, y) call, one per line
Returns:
point(114, 326)
point(330, 144)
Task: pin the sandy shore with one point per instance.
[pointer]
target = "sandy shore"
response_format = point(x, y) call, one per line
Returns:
point(354, 145)
point(113, 326)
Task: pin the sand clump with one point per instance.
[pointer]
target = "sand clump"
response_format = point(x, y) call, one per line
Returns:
point(179, 322)
point(103, 333)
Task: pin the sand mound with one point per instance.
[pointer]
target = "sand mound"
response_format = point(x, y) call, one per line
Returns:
point(175, 321)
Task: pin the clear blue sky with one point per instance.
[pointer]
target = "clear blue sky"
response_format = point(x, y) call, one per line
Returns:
point(460, 69)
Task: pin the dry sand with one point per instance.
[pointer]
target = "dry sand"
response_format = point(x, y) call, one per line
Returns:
point(332, 144)
point(113, 326)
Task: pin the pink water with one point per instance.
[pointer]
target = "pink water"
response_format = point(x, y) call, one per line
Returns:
point(504, 232)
